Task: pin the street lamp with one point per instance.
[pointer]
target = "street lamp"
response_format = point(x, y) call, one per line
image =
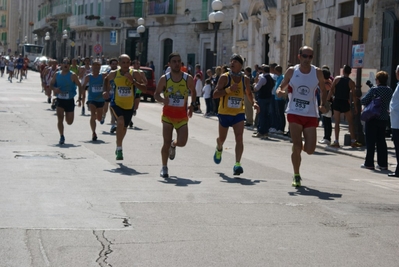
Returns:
point(35, 38)
point(141, 30)
point(64, 37)
point(216, 17)
point(47, 39)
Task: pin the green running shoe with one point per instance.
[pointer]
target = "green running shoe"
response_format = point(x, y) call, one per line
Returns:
point(237, 169)
point(119, 155)
point(296, 181)
point(217, 157)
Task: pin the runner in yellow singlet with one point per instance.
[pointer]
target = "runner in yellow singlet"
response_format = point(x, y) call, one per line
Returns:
point(230, 89)
point(175, 86)
point(123, 99)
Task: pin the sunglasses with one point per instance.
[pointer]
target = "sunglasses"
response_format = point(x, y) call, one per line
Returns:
point(65, 62)
point(307, 56)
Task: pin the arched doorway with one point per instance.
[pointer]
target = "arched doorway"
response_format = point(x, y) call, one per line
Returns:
point(389, 55)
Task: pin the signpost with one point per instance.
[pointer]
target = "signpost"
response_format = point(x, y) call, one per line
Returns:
point(97, 49)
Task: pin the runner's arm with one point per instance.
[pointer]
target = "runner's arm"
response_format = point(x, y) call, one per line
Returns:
point(219, 89)
point(281, 90)
point(160, 88)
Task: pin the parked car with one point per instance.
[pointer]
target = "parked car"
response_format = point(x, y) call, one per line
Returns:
point(151, 84)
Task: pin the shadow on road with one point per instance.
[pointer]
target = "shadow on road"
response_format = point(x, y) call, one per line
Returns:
point(65, 145)
point(179, 181)
point(124, 170)
point(238, 180)
point(306, 191)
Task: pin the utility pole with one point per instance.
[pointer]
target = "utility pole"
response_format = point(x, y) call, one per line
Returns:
point(357, 122)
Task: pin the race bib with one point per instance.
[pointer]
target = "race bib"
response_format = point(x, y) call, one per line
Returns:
point(301, 106)
point(125, 91)
point(234, 102)
point(97, 89)
point(176, 100)
point(63, 96)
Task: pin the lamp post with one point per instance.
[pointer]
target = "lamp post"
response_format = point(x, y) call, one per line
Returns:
point(35, 38)
point(47, 39)
point(64, 37)
point(216, 17)
point(141, 31)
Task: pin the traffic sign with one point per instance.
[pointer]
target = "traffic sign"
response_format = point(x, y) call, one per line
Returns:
point(97, 49)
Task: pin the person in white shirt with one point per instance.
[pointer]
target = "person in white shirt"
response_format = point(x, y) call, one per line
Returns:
point(207, 94)
point(198, 89)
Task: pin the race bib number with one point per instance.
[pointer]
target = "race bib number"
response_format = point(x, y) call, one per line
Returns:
point(301, 106)
point(125, 91)
point(63, 96)
point(176, 100)
point(234, 102)
point(97, 89)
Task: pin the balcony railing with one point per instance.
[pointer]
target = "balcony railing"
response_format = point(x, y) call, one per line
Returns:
point(78, 21)
point(132, 9)
point(161, 7)
point(61, 10)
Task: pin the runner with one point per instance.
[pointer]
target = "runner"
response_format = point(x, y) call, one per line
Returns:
point(302, 81)
point(95, 98)
point(64, 84)
point(48, 76)
point(136, 66)
point(83, 71)
point(122, 102)
point(3, 63)
point(25, 67)
point(113, 63)
point(10, 68)
point(19, 65)
point(175, 86)
point(231, 88)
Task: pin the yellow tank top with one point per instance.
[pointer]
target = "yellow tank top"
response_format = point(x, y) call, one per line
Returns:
point(177, 92)
point(74, 69)
point(233, 103)
point(124, 91)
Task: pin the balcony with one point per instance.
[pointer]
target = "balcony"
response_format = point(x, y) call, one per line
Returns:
point(131, 11)
point(161, 8)
point(78, 22)
point(61, 11)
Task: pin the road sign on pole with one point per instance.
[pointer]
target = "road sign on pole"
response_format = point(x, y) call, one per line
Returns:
point(97, 49)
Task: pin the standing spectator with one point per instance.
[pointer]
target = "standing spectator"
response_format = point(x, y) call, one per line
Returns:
point(152, 65)
point(183, 68)
point(198, 71)
point(249, 112)
point(198, 89)
point(215, 80)
point(342, 89)
point(255, 71)
point(327, 125)
point(207, 94)
point(375, 128)
point(394, 109)
point(279, 102)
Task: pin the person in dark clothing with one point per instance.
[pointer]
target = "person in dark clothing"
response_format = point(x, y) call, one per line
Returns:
point(375, 128)
point(342, 89)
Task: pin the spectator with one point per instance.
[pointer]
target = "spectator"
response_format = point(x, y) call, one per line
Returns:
point(207, 94)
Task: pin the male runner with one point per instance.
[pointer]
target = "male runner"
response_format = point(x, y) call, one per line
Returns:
point(302, 81)
point(175, 86)
point(230, 89)
point(95, 99)
point(136, 66)
point(113, 63)
point(122, 102)
point(64, 84)
point(83, 72)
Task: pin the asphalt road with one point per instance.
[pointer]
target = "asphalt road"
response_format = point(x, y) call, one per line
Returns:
point(75, 205)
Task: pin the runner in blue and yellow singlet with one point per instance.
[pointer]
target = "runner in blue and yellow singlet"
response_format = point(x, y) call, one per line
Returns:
point(123, 99)
point(230, 89)
point(175, 87)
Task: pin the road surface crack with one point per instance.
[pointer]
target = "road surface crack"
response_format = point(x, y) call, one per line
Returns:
point(106, 248)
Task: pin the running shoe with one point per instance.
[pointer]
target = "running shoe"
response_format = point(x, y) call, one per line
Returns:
point(324, 142)
point(49, 100)
point(217, 157)
point(102, 119)
point(237, 169)
point(94, 138)
point(164, 172)
point(113, 129)
point(172, 151)
point(62, 140)
point(296, 181)
point(119, 155)
point(130, 124)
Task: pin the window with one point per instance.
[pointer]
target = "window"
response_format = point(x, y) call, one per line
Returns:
point(297, 20)
point(99, 10)
point(205, 13)
point(346, 9)
point(92, 9)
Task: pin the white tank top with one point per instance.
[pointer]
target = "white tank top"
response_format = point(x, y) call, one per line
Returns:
point(302, 91)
